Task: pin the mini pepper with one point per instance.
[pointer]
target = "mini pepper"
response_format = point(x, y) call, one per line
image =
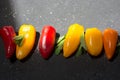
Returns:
point(8, 33)
point(47, 41)
point(72, 39)
point(25, 40)
point(94, 41)
point(110, 37)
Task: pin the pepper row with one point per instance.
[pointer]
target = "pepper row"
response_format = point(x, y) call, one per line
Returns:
point(76, 40)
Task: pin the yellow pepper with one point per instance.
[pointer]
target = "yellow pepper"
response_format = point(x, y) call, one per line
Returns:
point(94, 41)
point(28, 34)
point(72, 39)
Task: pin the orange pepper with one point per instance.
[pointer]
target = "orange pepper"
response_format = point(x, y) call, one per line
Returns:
point(94, 41)
point(110, 38)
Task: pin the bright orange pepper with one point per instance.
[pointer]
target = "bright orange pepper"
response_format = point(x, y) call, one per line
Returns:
point(94, 41)
point(72, 39)
point(110, 37)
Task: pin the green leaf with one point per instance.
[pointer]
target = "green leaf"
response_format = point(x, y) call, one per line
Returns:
point(19, 40)
point(60, 39)
point(82, 47)
point(79, 51)
point(59, 47)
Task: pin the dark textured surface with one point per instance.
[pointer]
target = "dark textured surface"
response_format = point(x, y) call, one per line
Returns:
point(60, 14)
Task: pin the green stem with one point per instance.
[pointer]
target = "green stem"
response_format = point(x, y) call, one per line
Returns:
point(82, 46)
point(79, 51)
point(60, 39)
point(59, 47)
point(19, 40)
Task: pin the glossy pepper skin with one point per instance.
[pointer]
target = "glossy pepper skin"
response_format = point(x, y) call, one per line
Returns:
point(72, 39)
point(47, 41)
point(110, 37)
point(7, 33)
point(29, 33)
point(94, 41)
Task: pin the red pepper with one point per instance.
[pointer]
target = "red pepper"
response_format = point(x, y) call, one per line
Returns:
point(47, 41)
point(7, 33)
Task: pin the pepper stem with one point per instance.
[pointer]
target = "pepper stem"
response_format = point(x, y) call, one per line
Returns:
point(60, 39)
point(79, 51)
point(82, 47)
point(59, 45)
point(19, 40)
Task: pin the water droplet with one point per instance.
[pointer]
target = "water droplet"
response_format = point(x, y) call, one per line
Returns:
point(51, 12)
point(40, 16)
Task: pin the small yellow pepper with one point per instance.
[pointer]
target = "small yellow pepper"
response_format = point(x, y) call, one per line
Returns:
point(72, 39)
point(29, 33)
point(94, 41)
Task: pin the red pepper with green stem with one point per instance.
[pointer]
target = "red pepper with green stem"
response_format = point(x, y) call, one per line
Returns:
point(7, 34)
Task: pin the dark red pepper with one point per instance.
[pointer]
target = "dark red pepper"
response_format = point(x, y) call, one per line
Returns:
point(7, 33)
point(47, 41)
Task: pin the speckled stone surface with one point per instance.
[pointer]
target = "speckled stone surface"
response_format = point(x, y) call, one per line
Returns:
point(60, 14)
